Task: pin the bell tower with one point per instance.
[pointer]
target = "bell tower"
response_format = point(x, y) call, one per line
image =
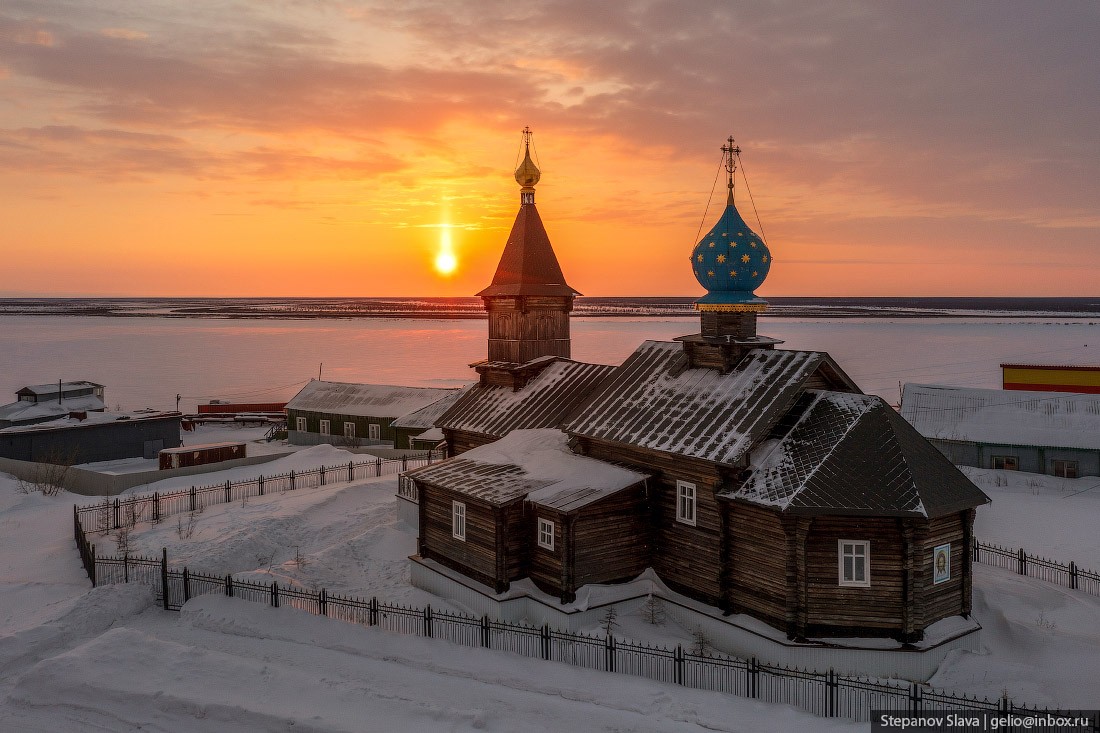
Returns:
point(528, 301)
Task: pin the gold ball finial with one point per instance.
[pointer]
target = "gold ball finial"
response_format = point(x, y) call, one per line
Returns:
point(527, 174)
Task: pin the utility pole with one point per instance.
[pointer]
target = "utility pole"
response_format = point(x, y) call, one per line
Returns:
point(177, 402)
point(319, 370)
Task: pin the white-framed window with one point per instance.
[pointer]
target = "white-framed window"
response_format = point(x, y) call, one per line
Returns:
point(685, 502)
point(300, 424)
point(854, 562)
point(326, 427)
point(374, 431)
point(349, 430)
point(546, 534)
point(458, 520)
point(1065, 469)
point(1005, 463)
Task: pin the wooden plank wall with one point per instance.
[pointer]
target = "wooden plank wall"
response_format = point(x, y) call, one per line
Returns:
point(947, 598)
point(477, 556)
point(612, 538)
point(460, 441)
point(757, 562)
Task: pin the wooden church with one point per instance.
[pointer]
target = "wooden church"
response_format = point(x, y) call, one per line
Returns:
point(754, 479)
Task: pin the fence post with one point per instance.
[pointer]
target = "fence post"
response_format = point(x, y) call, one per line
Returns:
point(118, 515)
point(351, 471)
point(92, 557)
point(261, 484)
point(404, 463)
point(429, 457)
point(126, 568)
point(274, 594)
point(229, 585)
point(678, 662)
point(428, 621)
point(156, 507)
point(292, 486)
point(830, 694)
point(544, 639)
point(192, 498)
point(754, 678)
point(373, 616)
point(322, 475)
point(322, 602)
point(227, 490)
point(1021, 561)
point(609, 654)
point(915, 705)
point(164, 575)
point(1072, 575)
point(377, 466)
point(977, 546)
point(186, 585)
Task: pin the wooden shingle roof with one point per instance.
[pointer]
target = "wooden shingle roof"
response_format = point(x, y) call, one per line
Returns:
point(543, 402)
point(854, 454)
point(655, 400)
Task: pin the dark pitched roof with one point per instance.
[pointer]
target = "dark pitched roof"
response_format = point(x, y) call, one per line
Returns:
point(427, 416)
point(854, 454)
point(654, 400)
point(528, 265)
point(491, 482)
point(542, 403)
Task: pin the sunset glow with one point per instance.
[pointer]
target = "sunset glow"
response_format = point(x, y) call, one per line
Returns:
point(445, 261)
point(265, 149)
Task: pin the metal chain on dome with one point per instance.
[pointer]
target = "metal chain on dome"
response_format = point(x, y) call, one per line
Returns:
point(758, 222)
point(721, 165)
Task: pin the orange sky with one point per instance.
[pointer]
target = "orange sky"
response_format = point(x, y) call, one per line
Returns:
point(322, 149)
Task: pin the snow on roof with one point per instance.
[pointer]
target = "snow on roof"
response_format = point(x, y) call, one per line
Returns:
point(203, 446)
point(852, 454)
point(427, 416)
point(1006, 417)
point(655, 400)
point(41, 389)
point(536, 464)
point(93, 418)
point(430, 434)
point(543, 402)
point(18, 412)
point(363, 400)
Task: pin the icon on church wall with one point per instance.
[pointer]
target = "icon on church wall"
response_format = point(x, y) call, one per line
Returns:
point(941, 564)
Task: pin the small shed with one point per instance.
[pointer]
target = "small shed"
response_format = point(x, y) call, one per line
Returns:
point(42, 402)
point(1054, 433)
point(417, 429)
point(346, 413)
point(97, 436)
point(199, 455)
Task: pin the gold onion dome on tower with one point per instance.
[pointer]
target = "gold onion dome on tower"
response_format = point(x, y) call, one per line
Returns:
point(527, 174)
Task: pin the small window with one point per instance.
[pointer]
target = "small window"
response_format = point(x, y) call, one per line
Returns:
point(1065, 469)
point(458, 520)
point(546, 534)
point(326, 427)
point(685, 502)
point(300, 424)
point(1005, 463)
point(374, 431)
point(855, 562)
point(349, 430)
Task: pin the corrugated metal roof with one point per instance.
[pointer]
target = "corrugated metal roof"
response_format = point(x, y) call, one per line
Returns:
point(653, 400)
point(23, 411)
point(1006, 417)
point(364, 400)
point(542, 403)
point(854, 454)
point(536, 464)
point(427, 416)
point(41, 389)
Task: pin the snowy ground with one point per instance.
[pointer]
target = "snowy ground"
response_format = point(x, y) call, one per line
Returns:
point(73, 658)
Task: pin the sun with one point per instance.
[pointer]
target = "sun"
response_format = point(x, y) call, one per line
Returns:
point(445, 262)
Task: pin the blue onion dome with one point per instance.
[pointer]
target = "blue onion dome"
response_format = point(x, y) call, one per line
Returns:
point(731, 261)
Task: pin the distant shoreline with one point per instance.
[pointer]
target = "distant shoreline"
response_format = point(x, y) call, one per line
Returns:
point(1077, 309)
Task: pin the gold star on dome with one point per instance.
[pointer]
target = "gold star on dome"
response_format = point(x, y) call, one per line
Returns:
point(752, 244)
point(763, 258)
point(700, 258)
point(733, 273)
point(721, 259)
point(740, 234)
point(710, 273)
point(754, 273)
point(711, 245)
point(745, 258)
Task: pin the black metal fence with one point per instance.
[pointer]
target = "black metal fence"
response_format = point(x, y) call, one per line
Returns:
point(132, 510)
point(826, 694)
point(1033, 566)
